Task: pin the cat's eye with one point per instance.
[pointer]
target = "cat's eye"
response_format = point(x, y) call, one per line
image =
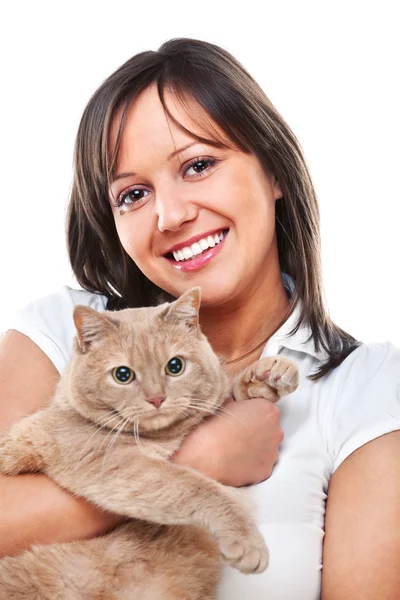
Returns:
point(123, 375)
point(175, 366)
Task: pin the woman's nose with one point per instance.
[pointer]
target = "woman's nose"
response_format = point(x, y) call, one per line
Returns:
point(173, 211)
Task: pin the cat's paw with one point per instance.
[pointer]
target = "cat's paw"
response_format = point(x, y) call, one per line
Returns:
point(269, 378)
point(247, 553)
point(12, 462)
point(6, 465)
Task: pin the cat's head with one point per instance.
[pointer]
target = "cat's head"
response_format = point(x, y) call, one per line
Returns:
point(147, 365)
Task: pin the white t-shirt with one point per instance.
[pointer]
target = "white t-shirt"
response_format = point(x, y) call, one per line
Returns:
point(323, 423)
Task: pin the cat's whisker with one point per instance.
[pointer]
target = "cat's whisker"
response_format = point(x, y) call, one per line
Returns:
point(220, 412)
point(110, 445)
point(136, 435)
point(121, 418)
point(182, 412)
point(114, 439)
point(105, 439)
point(203, 409)
point(207, 404)
point(98, 429)
point(201, 403)
point(113, 414)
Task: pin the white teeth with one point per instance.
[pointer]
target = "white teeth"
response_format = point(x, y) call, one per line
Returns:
point(203, 244)
point(178, 255)
point(211, 241)
point(198, 247)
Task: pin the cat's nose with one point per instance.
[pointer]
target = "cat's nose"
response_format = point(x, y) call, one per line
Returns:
point(156, 401)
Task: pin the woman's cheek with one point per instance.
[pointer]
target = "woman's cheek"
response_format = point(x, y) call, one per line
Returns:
point(126, 238)
point(137, 244)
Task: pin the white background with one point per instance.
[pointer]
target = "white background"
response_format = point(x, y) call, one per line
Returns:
point(331, 68)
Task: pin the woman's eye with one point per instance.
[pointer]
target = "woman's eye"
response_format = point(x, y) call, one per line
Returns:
point(132, 197)
point(135, 196)
point(199, 165)
point(123, 375)
point(175, 366)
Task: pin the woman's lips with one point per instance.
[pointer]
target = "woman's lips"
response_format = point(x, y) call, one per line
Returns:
point(199, 261)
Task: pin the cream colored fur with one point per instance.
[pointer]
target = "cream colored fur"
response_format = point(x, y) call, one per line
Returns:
point(106, 442)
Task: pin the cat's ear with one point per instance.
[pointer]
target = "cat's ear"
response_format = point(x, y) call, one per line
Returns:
point(91, 326)
point(186, 309)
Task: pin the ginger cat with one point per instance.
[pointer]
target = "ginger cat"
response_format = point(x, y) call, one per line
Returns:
point(139, 380)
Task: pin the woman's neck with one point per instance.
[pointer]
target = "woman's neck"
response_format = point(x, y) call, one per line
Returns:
point(237, 329)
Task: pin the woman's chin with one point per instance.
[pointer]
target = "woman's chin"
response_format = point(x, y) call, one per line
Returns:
point(216, 288)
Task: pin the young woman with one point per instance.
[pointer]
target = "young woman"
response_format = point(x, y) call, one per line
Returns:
point(186, 175)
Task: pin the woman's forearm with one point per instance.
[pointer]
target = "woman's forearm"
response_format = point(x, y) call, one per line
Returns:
point(238, 448)
point(34, 509)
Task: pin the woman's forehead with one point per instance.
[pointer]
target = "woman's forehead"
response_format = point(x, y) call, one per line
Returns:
point(147, 127)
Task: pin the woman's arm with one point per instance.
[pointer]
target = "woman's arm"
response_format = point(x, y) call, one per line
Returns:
point(235, 450)
point(27, 378)
point(33, 509)
point(362, 541)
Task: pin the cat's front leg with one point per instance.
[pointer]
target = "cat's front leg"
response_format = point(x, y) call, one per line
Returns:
point(24, 447)
point(268, 378)
point(165, 493)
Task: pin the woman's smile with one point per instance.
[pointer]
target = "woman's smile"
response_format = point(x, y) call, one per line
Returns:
point(198, 251)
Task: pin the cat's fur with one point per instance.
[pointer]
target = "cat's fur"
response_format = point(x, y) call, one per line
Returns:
point(106, 442)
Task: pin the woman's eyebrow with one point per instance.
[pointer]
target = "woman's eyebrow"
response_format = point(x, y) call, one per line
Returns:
point(122, 176)
point(169, 157)
point(213, 143)
point(175, 152)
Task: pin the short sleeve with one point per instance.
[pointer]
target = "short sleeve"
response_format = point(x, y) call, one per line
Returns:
point(49, 322)
point(366, 399)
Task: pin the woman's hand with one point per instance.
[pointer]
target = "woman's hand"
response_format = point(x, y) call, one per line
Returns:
point(237, 447)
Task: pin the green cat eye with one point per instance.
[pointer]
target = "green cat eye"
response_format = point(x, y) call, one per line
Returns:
point(123, 375)
point(175, 366)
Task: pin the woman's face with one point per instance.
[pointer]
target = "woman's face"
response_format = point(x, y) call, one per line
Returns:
point(174, 198)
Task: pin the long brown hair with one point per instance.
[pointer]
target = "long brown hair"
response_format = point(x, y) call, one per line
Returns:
point(193, 69)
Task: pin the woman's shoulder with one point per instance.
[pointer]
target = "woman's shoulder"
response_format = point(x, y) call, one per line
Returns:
point(48, 321)
point(66, 298)
point(364, 399)
point(55, 311)
point(369, 363)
